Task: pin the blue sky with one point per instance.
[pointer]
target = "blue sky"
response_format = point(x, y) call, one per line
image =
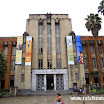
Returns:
point(13, 14)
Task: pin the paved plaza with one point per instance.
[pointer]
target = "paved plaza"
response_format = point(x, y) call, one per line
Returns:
point(46, 100)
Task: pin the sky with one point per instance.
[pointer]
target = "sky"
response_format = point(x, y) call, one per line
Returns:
point(13, 14)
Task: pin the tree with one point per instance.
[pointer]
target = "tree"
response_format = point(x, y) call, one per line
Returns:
point(94, 73)
point(93, 23)
point(3, 66)
point(101, 7)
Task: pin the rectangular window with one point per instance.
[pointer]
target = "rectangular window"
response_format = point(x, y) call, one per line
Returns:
point(40, 64)
point(94, 62)
point(5, 50)
point(92, 49)
point(49, 41)
point(85, 63)
point(12, 64)
point(23, 62)
point(40, 39)
point(49, 64)
point(13, 50)
point(102, 62)
point(58, 64)
point(57, 33)
point(84, 49)
point(100, 48)
point(11, 80)
point(22, 78)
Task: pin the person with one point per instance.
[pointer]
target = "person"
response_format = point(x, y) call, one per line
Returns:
point(58, 98)
point(52, 86)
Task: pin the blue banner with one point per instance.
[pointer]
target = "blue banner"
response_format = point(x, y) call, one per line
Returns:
point(79, 49)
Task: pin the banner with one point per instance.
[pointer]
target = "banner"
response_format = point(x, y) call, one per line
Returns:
point(28, 50)
point(19, 50)
point(79, 49)
point(70, 49)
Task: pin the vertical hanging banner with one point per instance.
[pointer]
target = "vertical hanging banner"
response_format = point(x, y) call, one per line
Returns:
point(70, 50)
point(19, 50)
point(28, 50)
point(79, 49)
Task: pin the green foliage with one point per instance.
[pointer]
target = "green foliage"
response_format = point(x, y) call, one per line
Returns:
point(101, 7)
point(94, 90)
point(100, 90)
point(94, 73)
point(4, 93)
point(93, 23)
point(3, 66)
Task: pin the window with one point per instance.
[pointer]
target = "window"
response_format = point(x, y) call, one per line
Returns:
point(94, 62)
point(40, 64)
point(12, 64)
point(40, 39)
point(92, 49)
point(5, 50)
point(85, 63)
point(49, 42)
point(58, 64)
point(13, 50)
point(102, 62)
point(103, 75)
point(77, 76)
point(23, 62)
point(22, 78)
point(57, 33)
point(100, 48)
point(84, 49)
point(49, 64)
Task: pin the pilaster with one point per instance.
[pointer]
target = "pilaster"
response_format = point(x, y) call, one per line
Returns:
point(7, 77)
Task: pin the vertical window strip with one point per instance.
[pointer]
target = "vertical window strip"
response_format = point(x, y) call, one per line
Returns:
point(84, 49)
point(13, 50)
point(85, 63)
point(94, 62)
point(100, 48)
point(5, 50)
point(57, 33)
point(12, 64)
point(102, 62)
point(40, 64)
point(22, 78)
point(92, 48)
point(58, 64)
point(49, 64)
point(49, 41)
point(40, 39)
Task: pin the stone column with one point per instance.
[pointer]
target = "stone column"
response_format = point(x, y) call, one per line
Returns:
point(53, 43)
point(45, 44)
point(7, 77)
point(70, 77)
point(54, 81)
point(82, 75)
point(27, 81)
point(89, 61)
point(45, 82)
point(17, 81)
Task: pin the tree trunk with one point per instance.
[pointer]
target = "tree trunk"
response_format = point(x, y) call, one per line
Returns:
point(94, 31)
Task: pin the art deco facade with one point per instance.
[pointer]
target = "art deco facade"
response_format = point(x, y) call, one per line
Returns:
point(49, 69)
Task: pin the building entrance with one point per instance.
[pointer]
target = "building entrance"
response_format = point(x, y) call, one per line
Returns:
point(50, 82)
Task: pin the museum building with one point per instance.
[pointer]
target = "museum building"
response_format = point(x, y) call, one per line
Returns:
point(45, 57)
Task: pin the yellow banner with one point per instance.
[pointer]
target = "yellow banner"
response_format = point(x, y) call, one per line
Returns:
point(19, 50)
point(28, 50)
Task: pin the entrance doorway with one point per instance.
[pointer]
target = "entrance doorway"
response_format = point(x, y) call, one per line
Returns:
point(50, 82)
